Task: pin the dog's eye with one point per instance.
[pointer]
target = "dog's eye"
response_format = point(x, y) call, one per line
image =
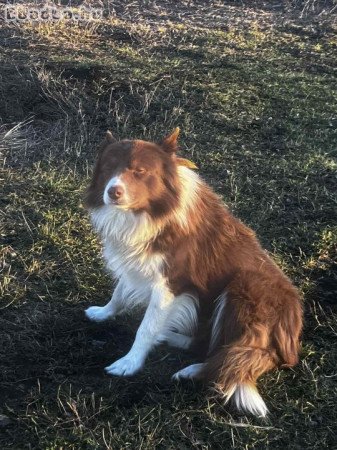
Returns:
point(139, 171)
point(110, 165)
point(108, 168)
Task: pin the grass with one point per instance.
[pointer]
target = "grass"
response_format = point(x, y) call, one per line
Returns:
point(253, 89)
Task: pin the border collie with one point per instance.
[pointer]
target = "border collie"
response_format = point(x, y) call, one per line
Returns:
point(201, 274)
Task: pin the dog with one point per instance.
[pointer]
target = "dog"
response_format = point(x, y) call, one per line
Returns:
point(206, 283)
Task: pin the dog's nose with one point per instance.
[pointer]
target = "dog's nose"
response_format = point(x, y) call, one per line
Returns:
point(115, 192)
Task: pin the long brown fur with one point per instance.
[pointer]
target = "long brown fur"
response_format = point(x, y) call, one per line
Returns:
point(213, 255)
point(263, 314)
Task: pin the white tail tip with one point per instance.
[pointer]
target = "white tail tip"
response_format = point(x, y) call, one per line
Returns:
point(246, 398)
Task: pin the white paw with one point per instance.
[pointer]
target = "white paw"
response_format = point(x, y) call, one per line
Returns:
point(189, 372)
point(125, 367)
point(97, 313)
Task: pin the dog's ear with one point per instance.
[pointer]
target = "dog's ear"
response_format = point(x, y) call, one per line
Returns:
point(108, 139)
point(170, 144)
point(186, 163)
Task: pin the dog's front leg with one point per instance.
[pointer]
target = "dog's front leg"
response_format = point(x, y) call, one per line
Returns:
point(148, 333)
point(113, 307)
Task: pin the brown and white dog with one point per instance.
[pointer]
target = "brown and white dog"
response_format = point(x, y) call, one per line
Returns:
point(204, 279)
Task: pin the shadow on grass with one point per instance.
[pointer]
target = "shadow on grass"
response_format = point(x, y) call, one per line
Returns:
point(257, 123)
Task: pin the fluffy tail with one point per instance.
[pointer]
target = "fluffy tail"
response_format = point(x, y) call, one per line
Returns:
point(247, 398)
point(236, 369)
point(250, 338)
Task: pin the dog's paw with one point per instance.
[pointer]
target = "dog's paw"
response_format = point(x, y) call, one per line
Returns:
point(125, 367)
point(97, 313)
point(191, 372)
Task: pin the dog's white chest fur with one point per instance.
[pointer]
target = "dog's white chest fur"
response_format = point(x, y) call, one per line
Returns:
point(122, 259)
point(125, 239)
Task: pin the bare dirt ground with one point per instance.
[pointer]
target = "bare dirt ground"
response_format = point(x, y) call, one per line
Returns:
point(252, 85)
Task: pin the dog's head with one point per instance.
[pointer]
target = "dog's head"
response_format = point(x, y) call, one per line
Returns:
point(136, 175)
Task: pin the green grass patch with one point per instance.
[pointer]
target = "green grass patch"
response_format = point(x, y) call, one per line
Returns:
point(255, 97)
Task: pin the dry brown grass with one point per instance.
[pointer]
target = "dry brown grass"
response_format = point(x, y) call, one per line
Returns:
point(253, 89)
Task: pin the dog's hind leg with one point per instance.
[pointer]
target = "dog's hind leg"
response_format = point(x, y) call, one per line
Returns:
point(182, 322)
point(191, 372)
point(176, 340)
point(183, 316)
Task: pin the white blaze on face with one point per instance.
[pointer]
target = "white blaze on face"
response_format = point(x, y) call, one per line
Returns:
point(113, 182)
